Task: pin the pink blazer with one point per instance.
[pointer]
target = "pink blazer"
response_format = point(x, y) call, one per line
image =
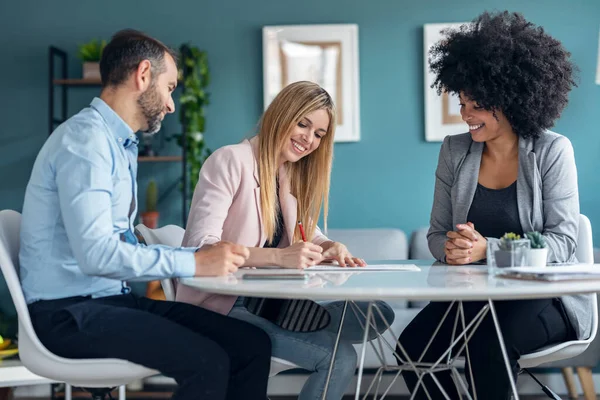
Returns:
point(226, 206)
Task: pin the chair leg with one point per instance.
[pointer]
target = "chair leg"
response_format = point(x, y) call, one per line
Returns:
point(587, 382)
point(545, 388)
point(6, 393)
point(569, 377)
point(68, 392)
point(122, 392)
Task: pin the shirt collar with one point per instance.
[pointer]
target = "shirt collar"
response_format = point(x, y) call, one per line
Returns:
point(122, 132)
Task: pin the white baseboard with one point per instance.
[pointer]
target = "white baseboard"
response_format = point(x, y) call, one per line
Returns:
point(290, 384)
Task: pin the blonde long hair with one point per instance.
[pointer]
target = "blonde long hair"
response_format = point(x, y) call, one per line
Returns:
point(310, 176)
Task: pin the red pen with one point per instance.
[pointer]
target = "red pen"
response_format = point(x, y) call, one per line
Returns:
point(302, 231)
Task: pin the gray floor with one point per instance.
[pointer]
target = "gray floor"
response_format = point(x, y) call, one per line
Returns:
point(153, 396)
point(167, 395)
point(406, 398)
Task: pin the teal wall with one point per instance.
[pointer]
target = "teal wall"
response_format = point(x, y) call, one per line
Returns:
point(385, 180)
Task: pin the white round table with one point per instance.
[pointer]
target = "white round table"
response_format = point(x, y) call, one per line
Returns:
point(434, 282)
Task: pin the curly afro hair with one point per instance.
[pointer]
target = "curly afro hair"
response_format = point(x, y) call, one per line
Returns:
point(503, 62)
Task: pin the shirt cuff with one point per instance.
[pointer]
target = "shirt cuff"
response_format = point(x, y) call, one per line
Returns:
point(185, 263)
point(190, 249)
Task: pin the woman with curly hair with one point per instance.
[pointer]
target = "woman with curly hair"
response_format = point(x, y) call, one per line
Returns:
point(509, 173)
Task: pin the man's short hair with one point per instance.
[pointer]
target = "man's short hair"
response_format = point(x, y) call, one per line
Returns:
point(126, 50)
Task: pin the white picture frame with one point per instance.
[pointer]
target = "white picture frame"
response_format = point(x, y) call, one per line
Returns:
point(598, 65)
point(442, 113)
point(324, 54)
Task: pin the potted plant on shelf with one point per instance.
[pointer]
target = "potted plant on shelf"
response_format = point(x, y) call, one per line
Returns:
point(195, 77)
point(538, 253)
point(90, 53)
point(150, 216)
point(512, 251)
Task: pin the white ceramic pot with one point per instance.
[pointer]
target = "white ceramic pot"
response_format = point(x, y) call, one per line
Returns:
point(91, 70)
point(538, 257)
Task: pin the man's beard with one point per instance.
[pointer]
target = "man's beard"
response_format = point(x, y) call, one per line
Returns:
point(152, 108)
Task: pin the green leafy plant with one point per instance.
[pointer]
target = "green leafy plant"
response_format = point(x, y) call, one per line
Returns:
point(195, 77)
point(507, 239)
point(151, 196)
point(538, 241)
point(91, 51)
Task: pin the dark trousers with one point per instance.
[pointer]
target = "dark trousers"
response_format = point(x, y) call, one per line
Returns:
point(211, 356)
point(526, 325)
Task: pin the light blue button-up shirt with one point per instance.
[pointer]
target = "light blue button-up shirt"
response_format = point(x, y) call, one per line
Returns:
point(77, 226)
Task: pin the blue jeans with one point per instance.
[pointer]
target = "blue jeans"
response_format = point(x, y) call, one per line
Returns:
point(312, 351)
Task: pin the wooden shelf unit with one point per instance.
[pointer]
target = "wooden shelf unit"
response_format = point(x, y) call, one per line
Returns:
point(77, 82)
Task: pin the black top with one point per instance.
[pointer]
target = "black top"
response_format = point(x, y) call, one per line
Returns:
point(278, 227)
point(495, 212)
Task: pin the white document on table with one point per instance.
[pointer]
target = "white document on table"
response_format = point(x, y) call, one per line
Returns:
point(552, 273)
point(367, 268)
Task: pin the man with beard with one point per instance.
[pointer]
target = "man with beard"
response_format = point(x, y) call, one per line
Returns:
point(78, 247)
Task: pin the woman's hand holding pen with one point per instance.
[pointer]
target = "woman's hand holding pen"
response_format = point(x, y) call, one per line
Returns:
point(299, 255)
point(465, 245)
point(339, 252)
point(335, 251)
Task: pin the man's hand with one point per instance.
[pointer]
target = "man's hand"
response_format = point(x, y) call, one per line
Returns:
point(220, 259)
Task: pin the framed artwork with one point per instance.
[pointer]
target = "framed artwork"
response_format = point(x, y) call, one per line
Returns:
point(598, 66)
point(442, 113)
point(324, 54)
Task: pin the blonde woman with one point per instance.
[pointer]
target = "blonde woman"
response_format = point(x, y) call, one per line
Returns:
point(253, 193)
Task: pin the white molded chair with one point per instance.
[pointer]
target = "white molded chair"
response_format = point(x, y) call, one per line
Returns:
point(585, 255)
point(86, 373)
point(172, 235)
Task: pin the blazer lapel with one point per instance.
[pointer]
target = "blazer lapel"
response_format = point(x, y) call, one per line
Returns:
point(289, 204)
point(254, 144)
point(528, 180)
point(263, 236)
point(466, 181)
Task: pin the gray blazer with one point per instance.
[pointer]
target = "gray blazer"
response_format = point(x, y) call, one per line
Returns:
point(547, 195)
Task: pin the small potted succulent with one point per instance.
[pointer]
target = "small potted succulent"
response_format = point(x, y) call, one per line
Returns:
point(512, 251)
point(150, 216)
point(538, 253)
point(90, 53)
